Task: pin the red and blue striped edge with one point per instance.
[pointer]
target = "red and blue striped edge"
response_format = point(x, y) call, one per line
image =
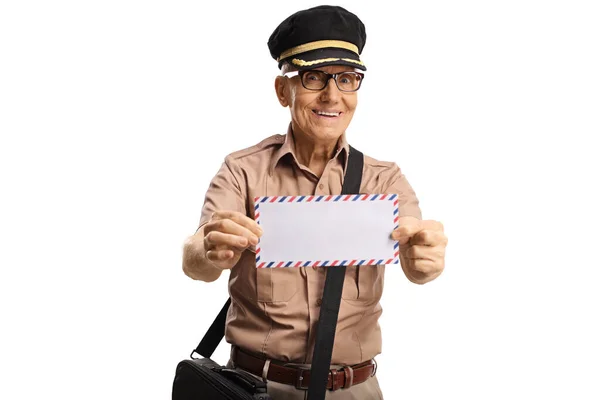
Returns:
point(327, 263)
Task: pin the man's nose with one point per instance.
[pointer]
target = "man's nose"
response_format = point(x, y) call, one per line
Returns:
point(331, 91)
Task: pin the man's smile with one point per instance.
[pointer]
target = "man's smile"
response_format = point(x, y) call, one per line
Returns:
point(327, 114)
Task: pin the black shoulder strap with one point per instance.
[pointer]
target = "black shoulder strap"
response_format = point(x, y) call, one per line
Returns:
point(332, 295)
point(330, 306)
point(215, 333)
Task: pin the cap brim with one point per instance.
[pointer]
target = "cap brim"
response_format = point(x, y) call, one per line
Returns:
point(322, 57)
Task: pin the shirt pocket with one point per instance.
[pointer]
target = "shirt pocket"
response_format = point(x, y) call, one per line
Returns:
point(277, 284)
point(363, 283)
point(350, 289)
point(370, 282)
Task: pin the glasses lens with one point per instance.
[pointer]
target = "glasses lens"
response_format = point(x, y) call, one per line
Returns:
point(349, 81)
point(314, 80)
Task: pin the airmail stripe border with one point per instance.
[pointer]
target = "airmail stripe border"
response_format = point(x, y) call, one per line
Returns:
point(308, 199)
point(326, 263)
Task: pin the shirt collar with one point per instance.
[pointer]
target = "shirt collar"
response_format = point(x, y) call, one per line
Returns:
point(289, 147)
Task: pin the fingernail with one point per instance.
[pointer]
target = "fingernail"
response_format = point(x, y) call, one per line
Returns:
point(254, 240)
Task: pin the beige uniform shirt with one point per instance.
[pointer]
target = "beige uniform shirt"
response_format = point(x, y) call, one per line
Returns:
point(274, 311)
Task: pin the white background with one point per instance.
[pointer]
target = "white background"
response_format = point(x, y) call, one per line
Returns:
point(115, 115)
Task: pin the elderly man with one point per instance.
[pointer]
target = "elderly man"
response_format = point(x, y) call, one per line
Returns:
point(273, 314)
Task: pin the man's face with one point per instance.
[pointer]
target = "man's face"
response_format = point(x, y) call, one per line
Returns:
point(307, 107)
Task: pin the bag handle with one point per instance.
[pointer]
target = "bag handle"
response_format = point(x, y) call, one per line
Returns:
point(213, 336)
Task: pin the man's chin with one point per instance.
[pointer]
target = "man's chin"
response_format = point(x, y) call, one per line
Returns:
point(327, 134)
point(327, 131)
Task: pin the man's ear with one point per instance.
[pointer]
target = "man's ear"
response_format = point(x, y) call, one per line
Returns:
point(280, 90)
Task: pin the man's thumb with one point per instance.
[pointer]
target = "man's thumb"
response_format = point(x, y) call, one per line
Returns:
point(407, 227)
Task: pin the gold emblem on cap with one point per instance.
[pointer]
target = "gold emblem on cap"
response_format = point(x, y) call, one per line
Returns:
point(303, 63)
point(320, 44)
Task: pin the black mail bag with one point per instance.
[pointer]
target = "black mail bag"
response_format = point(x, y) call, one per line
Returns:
point(202, 378)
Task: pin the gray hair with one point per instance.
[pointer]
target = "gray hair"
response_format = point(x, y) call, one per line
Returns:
point(288, 67)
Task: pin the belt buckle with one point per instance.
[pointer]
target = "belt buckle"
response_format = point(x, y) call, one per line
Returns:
point(300, 378)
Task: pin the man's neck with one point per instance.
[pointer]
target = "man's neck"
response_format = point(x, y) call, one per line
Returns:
point(314, 155)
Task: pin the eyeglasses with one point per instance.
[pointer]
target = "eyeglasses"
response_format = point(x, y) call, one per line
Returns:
point(347, 81)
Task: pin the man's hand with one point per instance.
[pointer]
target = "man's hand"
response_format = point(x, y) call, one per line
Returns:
point(422, 248)
point(227, 235)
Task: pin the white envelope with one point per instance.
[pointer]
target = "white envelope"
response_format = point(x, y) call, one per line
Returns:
point(302, 231)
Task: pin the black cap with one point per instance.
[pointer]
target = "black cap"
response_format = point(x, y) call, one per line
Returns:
point(324, 35)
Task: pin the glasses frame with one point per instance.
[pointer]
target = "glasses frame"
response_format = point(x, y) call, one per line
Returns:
point(301, 74)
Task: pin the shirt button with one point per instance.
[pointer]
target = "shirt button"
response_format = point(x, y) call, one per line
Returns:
point(319, 301)
point(321, 186)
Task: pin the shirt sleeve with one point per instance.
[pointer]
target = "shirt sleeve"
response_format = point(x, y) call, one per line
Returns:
point(225, 192)
point(408, 205)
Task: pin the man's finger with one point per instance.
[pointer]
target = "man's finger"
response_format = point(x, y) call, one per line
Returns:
point(223, 214)
point(403, 234)
point(419, 252)
point(428, 237)
point(219, 255)
point(425, 266)
point(409, 226)
point(233, 228)
point(248, 223)
point(215, 238)
point(240, 219)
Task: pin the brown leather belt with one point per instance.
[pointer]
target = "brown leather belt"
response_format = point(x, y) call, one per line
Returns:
point(300, 377)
